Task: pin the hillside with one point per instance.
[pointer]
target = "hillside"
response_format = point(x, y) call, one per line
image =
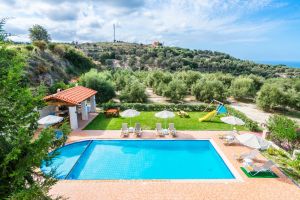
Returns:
point(147, 57)
point(62, 62)
point(52, 63)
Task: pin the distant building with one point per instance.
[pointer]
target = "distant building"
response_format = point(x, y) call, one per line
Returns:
point(157, 44)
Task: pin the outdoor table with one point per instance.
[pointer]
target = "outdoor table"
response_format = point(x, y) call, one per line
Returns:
point(130, 129)
point(112, 112)
point(165, 131)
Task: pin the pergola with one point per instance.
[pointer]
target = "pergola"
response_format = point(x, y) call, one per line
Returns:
point(72, 98)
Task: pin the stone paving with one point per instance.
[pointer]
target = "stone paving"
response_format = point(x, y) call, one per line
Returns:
point(244, 189)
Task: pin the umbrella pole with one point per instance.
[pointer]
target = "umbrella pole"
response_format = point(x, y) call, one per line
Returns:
point(165, 123)
point(130, 121)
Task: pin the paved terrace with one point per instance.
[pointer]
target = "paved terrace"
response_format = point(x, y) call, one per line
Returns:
point(243, 189)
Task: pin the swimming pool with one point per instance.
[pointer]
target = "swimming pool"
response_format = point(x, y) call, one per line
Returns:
point(139, 159)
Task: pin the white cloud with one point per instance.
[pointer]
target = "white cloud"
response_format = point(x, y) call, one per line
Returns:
point(170, 21)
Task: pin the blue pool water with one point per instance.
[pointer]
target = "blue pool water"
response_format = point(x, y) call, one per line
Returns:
point(140, 159)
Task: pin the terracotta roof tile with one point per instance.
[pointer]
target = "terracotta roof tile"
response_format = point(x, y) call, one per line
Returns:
point(74, 95)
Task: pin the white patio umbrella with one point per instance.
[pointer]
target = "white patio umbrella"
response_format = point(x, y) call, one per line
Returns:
point(165, 115)
point(49, 120)
point(232, 120)
point(253, 141)
point(129, 113)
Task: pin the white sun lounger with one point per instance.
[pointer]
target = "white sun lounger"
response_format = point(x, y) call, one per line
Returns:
point(138, 129)
point(172, 130)
point(124, 130)
point(159, 131)
point(266, 167)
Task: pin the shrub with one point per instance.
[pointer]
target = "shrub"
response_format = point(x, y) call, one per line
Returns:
point(78, 60)
point(158, 107)
point(29, 47)
point(283, 129)
point(40, 44)
point(59, 50)
point(41, 69)
point(57, 85)
point(51, 46)
point(243, 88)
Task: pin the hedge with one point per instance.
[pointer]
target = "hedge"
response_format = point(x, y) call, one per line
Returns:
point(249, 123)
point(252, 125)
point(158, 107)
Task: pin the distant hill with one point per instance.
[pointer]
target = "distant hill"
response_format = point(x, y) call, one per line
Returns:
point(62, 62)
point(148, 57)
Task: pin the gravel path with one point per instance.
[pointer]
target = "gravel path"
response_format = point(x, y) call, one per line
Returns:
point(254, 113)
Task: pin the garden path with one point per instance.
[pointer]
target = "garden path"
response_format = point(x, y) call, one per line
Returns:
point(254, 113)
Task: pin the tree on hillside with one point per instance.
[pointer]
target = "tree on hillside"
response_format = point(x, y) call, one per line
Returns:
point(38, 33)
point(20, 155)
point(3, 33)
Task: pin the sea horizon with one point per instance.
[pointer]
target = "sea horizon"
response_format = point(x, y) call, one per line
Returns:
point(292, 64)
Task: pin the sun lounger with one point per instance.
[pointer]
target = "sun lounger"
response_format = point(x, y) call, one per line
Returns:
point(159, 131)
point(249, 155)
point(232, 133)
point(172, 130)
point(137, 130)
point(253, 169)
point(124, 130)
point(229, 140)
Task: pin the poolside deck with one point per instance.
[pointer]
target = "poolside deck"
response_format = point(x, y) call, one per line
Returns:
point(246, 188)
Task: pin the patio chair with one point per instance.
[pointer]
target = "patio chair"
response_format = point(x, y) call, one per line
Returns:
point(138, 129)
point(172, 130)
point(159, 131)
point(249, 155)
point(124, 130)
point(253, 169)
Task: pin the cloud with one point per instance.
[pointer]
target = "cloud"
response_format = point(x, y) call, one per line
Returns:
point(171, 21)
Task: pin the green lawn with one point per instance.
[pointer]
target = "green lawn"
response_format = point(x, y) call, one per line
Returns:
point(148, 121)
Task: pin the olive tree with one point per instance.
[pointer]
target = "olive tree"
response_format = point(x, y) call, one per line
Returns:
point(176, 90)
point(134, 92)
point(271, 96)
point(100, 83)
point(243, 88)
point(207, 90)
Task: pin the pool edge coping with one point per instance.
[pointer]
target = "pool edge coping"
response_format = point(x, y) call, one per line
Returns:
point(237, 177)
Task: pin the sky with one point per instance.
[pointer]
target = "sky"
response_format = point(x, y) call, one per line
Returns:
point(247, 29)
